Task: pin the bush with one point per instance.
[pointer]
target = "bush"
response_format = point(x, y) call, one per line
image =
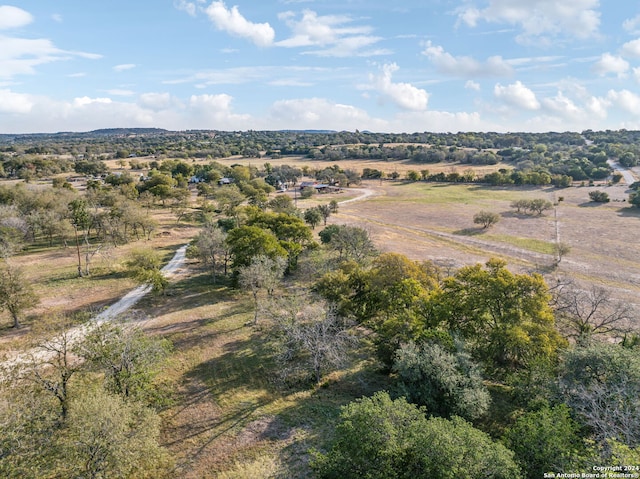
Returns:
point(599, 196)
point(307, 192)
point(446, 383)
point(545, 440)
point(486, 218)
point(378, 438)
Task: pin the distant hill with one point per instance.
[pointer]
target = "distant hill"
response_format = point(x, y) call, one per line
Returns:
point(126, 131)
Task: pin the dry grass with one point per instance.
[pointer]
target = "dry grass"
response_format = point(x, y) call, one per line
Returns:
point(435, 222)
point(229, 418)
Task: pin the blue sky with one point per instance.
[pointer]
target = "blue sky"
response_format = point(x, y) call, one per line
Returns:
point(389, 66)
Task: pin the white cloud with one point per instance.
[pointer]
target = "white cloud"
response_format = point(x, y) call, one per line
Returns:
point(56, 17)
point(290, 82)
point(471, 85)
point(517, 95)
point(215, 112)
point(185, 6)
point(632, 48)
point(632, 25)
point(11, 102)
point(120, 92)
point(13, 17)
point(333, 34)
point(319, 113)
point(538, 19)
point(157, 101)
point(232, 22)
point(609, 63)
point(625, 100)
point(441, 121)
point(404, 95)
point(465, 66)
point(564, 106)
point(124, 67)
point(20, 56)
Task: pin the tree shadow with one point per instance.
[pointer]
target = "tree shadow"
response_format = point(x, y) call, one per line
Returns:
point(470, 231)
point(629, 212)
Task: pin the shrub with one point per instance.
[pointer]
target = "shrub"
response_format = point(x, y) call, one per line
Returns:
point(446, 383)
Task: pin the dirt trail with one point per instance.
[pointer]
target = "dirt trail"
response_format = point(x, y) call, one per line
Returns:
point(112, 312)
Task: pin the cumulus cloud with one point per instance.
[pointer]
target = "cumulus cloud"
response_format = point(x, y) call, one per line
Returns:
point(563, 106)
point(471, 85)
point(517, 95)
point(632, 25)
point(22, 113)
point(632, 48)
point(156, 101)
point(609, 63)
point(465, 66)
point(13, 17)
point(625, 100)
point(11, 102)
point(320, 113)
point(124, 67)
point(538, 19)
point(230, 20)
point(404, 95)
point(334, 35)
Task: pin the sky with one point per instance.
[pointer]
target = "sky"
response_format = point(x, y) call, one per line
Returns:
point(372, 65)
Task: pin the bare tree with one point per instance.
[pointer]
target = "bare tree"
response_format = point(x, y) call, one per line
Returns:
point(51, 367)
point(211, 248)
point(311, 337)
point(601, 383)
point(262, 274)
point(585, 313)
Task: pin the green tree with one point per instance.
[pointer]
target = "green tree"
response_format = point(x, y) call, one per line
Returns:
point(313, 217)
point(325, 211)
point(539, 205)
point(352, 242)
point(109, 437)
point(507, 317)
point(380, 438)
point(16, 293)
point(144, 265)
point(247, 242)
point(546, 440)
point(447, 383)
point(599, 196)
point(127, 356)
point(80, 220)
point(486, 218)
